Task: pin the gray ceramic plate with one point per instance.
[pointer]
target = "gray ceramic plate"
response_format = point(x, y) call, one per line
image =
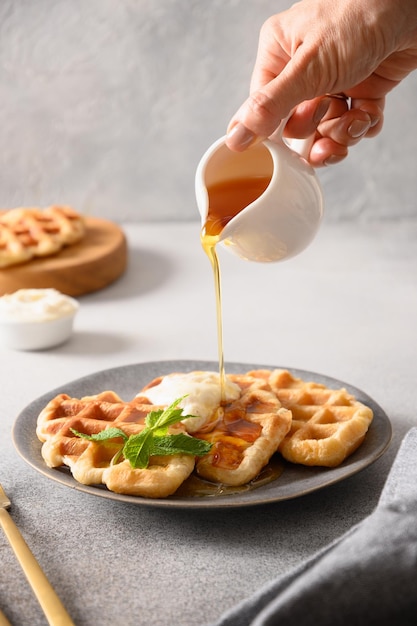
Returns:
point(295, 481)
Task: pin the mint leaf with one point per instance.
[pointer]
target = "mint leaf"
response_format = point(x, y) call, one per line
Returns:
point(154, 439)
point(137, 449)
point(103, 435)
point(167, 417)
point(179, 444)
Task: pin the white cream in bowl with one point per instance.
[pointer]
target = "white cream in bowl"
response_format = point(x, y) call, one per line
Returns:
point(36, 319)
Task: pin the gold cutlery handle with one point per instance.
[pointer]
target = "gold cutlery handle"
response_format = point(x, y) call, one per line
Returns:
point(52, 606)
point(3, 620)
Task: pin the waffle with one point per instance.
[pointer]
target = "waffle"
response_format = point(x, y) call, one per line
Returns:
point(27, 233)
point(90, 462)
point(306, 422)
point(327, 425)
point(246, 434)
point(245, 430)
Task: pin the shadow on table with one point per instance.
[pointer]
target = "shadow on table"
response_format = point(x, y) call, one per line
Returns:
point(96, 343)
point(146, 270)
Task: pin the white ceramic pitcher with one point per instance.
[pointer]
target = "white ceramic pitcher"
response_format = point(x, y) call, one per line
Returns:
point(285, 218)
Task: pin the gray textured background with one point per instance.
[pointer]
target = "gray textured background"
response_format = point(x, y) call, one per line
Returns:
point(109, 104)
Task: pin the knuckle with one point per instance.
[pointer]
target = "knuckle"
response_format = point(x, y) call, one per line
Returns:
point(263, 107)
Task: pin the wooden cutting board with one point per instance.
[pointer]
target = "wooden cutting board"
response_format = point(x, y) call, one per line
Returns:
point(91, 264)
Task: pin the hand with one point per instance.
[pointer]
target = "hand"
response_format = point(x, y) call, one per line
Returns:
point(311, 54)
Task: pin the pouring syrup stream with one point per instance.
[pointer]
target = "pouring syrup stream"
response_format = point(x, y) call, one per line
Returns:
point(209, 245)
point(226, 200)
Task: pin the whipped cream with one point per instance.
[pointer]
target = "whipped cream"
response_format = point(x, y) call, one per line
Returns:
point(36, 305)
point(203, 393)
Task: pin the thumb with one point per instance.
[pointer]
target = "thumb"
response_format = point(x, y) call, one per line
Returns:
point(260, 115)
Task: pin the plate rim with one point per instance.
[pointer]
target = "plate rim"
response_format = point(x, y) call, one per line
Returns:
point(256, 497)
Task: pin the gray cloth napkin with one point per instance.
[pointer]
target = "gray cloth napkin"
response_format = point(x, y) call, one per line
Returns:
point(366, 577)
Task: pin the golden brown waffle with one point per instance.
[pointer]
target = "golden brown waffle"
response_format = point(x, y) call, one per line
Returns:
point(26, 233)
point(306, 422)
point(327, 424)
point(91, 462)
point(247, 433)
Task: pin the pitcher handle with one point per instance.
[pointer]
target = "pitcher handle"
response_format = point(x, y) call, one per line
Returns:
point(301, 146)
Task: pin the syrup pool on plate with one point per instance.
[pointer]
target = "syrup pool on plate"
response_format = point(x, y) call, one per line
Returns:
point(198, 487)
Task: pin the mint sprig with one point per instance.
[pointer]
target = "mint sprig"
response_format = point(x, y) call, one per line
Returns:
point(154, 440)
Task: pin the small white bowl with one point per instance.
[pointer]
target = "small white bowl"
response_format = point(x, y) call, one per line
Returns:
point(36, 319)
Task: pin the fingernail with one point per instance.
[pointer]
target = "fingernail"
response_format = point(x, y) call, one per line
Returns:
point(358, 128)
point(321, 110)
point(333, 159)
point(240, 137)
point(375, 119)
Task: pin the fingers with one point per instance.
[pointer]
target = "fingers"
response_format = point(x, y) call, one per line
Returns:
point(338, 124)
point(302, 123)
point(325, 151)
point(375, 110)
point(306, 117)
point(338, 128)
point(347, 129)
point(330, 119)
point(336, 134)
point(261, 114)
point(256, 119)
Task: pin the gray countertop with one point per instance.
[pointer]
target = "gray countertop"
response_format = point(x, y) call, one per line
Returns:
point(346, 308)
